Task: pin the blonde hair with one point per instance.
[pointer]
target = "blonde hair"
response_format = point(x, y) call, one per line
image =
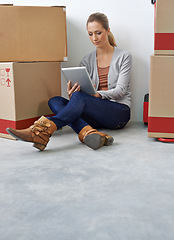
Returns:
point(102, 18)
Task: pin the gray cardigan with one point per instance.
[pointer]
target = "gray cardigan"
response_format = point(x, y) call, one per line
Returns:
point(118, 76)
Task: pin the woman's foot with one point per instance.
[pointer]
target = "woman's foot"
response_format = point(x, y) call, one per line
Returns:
point(39, 133)
point(94, 139)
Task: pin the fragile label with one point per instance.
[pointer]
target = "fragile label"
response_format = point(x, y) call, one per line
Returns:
point(5, 80)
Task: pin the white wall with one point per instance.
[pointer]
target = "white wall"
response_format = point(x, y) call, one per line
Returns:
point(131, 22)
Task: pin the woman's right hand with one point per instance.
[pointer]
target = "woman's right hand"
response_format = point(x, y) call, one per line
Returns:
point(70, 89)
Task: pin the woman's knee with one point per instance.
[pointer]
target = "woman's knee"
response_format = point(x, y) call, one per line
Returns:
point(79, 96)
point(57, 100)
point(76, 94)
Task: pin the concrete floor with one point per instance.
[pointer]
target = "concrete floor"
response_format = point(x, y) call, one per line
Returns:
point(70, 192)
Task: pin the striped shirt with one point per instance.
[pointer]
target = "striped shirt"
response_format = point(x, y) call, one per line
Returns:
point(103, 78)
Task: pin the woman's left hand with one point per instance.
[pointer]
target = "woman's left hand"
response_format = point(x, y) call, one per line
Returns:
point(96, 95)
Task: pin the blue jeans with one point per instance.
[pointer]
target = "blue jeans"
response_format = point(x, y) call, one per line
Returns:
point(83, 109)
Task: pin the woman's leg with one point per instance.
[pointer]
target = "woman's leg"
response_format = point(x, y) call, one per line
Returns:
point(57, 104)
point(105, 113)
point(84, 109)
point(111, 115)
point(91, 137)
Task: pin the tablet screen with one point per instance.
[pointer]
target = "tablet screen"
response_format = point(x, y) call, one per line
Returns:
point(79, 75)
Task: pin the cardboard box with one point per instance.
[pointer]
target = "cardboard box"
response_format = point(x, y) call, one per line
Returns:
point(164, 27)
point(161, 97)
point(29, 33)
point(25, 89)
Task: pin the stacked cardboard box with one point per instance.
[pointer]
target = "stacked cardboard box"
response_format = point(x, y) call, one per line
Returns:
point(161, 93)
point(32, 46)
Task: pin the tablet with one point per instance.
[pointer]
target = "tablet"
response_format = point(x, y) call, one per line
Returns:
point(81, 76)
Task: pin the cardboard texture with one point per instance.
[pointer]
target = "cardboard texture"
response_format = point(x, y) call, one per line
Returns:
point(29, 33)
point(161, 97)
point(164, 27)
point(25, 89)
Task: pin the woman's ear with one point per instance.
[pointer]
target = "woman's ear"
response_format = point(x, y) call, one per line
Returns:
point(108, 31)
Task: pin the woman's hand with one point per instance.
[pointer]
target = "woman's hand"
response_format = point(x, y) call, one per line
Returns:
point(70, 89)
point(96, 95)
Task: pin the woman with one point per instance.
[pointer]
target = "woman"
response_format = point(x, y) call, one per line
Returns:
point(109, 68)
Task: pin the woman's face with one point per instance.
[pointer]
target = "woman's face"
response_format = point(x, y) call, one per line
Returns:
point(98, 34)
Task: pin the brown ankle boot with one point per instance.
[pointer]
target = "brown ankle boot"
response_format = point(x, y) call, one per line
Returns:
point(39, 133)
point(94, 139)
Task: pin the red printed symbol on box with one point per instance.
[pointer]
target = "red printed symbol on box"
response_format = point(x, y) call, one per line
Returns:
point(5, 77)
point(2, 75)
point(2, 81)
point(8, 82)
point(2, 72)
point(7, 70)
